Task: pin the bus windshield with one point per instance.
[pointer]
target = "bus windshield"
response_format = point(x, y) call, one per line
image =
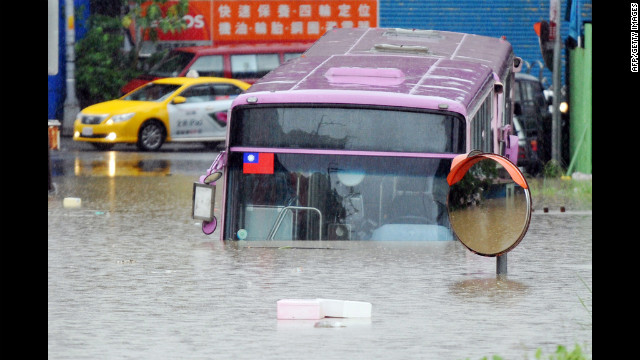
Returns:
point(340, 173)
point(294, 196)
point(348, 128)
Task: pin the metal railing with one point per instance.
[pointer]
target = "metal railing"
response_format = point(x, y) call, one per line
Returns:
point(276, 225)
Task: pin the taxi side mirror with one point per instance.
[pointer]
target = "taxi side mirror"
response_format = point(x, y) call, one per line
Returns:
point(179, 100)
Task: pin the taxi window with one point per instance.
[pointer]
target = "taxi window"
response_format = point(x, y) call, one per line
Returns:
point(199, 93)
point(226, 90)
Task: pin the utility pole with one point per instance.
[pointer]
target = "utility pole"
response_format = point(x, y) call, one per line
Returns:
point(554, 12)
point(71, 106)
point(53, 35)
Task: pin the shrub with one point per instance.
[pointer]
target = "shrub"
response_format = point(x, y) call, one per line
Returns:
point(553, 169)
point(102, 67)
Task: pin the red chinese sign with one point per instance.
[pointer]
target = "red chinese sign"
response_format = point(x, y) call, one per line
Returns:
point(260, 20)
point(222, 21)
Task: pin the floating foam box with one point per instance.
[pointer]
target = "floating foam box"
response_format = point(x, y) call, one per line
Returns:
point(313, 309)
point(71, 203)
point(345, 308)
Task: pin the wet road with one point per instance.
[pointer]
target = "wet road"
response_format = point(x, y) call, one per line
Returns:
point(131, 276)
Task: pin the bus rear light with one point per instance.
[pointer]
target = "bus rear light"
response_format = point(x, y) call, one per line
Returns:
point(534, 145)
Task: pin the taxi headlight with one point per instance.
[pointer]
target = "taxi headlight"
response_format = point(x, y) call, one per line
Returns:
point(121, 117)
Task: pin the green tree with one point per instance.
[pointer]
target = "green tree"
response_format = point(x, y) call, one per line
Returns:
point(157, 15)
point(102, 67)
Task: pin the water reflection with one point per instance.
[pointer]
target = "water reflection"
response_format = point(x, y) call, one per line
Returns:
point(497, 288)
point(122, 164)
point(328, 323)
point(493, 227)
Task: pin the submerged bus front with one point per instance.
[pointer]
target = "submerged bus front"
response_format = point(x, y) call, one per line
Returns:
point(351, 147)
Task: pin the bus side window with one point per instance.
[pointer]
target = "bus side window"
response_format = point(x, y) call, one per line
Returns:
point(253, 65)
point(209, 66)
point(289, 56)
point(481, 134)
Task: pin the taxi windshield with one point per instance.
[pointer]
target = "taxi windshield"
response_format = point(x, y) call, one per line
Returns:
point(152, 92)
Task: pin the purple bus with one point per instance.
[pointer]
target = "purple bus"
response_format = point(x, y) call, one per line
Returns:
point(354, 139)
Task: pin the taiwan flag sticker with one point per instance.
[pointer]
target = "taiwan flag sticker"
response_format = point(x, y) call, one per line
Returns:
point(257, 163)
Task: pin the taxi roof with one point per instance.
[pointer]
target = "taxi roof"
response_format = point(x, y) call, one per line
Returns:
point(201, 79)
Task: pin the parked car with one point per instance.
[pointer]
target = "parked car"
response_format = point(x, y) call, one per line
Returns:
point(532, 121)
point(173, 109)
point(246, 62)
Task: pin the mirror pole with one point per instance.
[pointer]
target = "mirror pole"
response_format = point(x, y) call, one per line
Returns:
point(501, 264)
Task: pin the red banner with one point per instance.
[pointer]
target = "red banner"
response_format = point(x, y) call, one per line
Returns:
point(222, 21)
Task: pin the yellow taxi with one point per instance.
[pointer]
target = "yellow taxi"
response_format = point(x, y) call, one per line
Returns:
point(178, 109)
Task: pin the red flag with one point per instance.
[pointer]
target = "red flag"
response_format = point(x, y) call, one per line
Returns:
point(257, 163)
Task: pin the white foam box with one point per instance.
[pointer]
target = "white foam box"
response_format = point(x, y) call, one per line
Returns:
point(345, 308)
point(71, 203)
point(299, 309)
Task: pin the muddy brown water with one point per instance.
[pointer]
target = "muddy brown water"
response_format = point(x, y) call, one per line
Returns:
point(131, 276)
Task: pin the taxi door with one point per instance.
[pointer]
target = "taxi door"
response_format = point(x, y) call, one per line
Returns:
point(202, 117)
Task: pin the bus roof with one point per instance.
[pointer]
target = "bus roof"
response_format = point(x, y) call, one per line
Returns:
point(421, 68)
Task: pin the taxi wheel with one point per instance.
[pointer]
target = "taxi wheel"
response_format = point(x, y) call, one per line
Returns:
point(151, 136)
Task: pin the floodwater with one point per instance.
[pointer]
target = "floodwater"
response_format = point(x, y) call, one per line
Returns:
point(132, 276)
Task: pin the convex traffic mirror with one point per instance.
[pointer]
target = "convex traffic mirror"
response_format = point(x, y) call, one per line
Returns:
point(489, 203)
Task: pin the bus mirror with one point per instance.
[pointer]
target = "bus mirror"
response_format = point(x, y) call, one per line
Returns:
point(204, 194)
point(517, 64)
point(489, 203)
point(203, 204)
point(203, 201)
point(208, 227)
point(212, 177)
